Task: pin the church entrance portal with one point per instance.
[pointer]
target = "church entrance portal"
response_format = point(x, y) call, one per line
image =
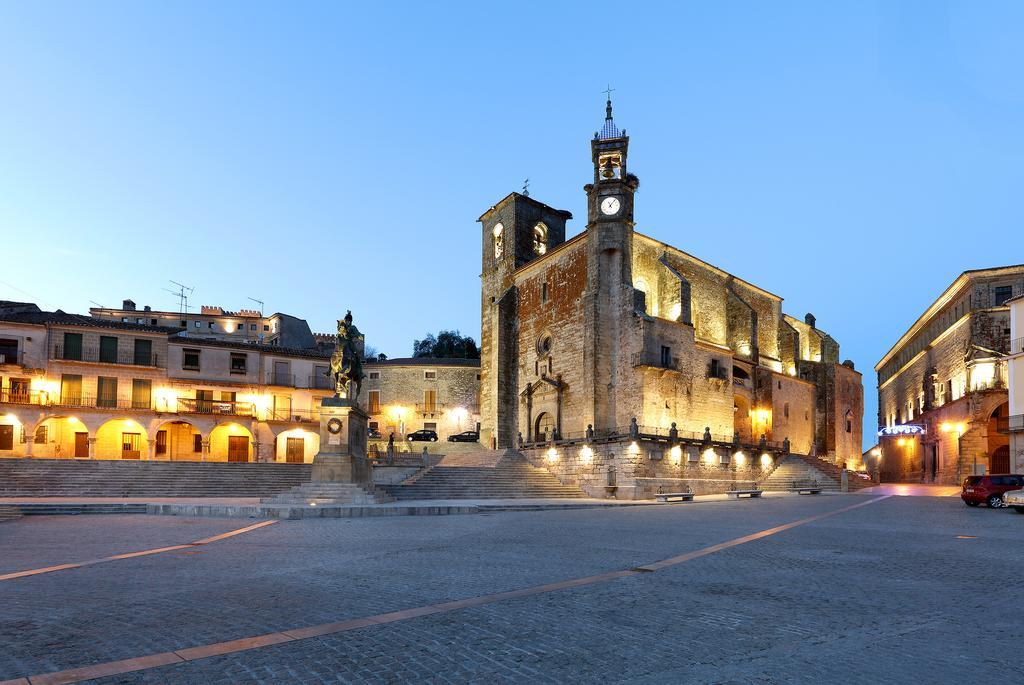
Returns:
point(544, 426)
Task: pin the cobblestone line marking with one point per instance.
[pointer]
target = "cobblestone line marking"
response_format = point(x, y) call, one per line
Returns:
point(112, 668)
point(657, 566)
point(130, 555)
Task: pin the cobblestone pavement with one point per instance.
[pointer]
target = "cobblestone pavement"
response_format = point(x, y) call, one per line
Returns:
point(884, 593)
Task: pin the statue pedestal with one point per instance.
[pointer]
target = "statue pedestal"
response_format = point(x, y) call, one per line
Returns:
point(342, 455)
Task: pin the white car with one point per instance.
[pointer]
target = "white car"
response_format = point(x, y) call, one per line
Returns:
point(1015, 499)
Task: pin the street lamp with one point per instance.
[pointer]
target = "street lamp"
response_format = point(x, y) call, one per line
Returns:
point(959, 429)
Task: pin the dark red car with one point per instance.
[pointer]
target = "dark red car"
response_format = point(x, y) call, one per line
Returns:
point(989, 489)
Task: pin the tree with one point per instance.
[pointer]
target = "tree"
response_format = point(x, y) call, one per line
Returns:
point(446, 344)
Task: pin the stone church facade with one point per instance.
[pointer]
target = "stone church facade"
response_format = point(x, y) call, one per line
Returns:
point(611, 331)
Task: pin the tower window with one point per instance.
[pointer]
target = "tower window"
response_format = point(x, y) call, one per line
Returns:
point(499, 245)
point(544, 292)
point(540, 239)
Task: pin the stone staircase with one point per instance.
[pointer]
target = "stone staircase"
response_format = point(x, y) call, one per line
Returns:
point(9, 513)
point(79, 478)
point(485, 475)
point(329, 493)
point(803, 470)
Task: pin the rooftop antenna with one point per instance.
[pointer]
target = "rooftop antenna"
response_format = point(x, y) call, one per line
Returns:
point(260, 303)
point(526, 187)
point(97, 304)
point(182, 294)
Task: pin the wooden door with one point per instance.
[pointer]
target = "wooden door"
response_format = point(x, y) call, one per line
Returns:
point(81, 446)
point(238, 448)
point(295, 450)
point(6, 436)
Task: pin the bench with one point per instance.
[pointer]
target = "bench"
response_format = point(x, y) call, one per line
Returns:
point(807, 491)
point(744, 493)
point(674, 496)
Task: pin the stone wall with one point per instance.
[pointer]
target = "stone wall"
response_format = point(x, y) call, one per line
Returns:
point(644, 468)
point(401, 393)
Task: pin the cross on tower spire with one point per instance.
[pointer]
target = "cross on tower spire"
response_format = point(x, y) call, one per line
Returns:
point(526, 187)
point(608, 107)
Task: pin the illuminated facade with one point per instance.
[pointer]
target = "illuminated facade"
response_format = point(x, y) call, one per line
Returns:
point(612, 325)
point(405, 395)
point(1015, 382)
point(942, 388)
point(78, 387)
point(75, 386)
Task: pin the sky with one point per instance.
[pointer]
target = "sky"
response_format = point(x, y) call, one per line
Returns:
point(852, 157)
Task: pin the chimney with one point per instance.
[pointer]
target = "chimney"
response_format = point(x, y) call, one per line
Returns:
point(128, 305)
point(147, 308)
point(809, 319)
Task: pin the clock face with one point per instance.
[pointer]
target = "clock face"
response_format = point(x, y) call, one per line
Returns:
point(610, 205)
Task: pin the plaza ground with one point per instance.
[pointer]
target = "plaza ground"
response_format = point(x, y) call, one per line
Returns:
point(895, 589)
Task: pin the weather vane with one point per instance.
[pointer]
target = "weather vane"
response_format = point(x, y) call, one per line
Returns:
point(526, 187)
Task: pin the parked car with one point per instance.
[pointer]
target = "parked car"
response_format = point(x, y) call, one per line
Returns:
point(1015, 499)
point(422, 435)
point(464, 436)
point(989, 489)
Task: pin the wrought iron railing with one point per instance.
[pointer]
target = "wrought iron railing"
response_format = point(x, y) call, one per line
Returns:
point(190, 405)
point(294, 415)
point(291, 380)
point(105, 356)
point(28, 397)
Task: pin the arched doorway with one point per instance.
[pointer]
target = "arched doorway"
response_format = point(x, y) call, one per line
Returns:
point(178, 441)
point(230, 442)
point(999, 462)
point(999, 439)
point(296, 446)
point(60, 437)
point(544, 426)
point(121, 439)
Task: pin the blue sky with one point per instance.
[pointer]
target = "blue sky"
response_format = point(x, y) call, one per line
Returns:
point(852, 157)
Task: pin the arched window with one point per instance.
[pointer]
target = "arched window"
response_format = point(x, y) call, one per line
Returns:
point(499, 245)
point(540, 239)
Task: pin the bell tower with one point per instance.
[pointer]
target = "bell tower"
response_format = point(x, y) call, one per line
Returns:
point(610, 296)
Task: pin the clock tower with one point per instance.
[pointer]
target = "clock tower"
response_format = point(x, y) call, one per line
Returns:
point(610, 297)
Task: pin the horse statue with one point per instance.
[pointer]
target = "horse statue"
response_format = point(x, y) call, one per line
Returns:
point(347, 360)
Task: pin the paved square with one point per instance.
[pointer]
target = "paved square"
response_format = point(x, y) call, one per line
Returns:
point(885, 592)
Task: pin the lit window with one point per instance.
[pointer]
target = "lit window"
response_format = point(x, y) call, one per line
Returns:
point(499, 244)
point(540, 239)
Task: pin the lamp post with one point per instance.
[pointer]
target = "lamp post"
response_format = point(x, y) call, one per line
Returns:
point(959, 429)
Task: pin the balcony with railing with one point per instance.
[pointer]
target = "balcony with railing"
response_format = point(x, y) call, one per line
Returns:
point(294, 415)
point(26, 397)
point(656, 360)
point(189, 405)
point(98, 355)
point(291, 380)
point(74, 400)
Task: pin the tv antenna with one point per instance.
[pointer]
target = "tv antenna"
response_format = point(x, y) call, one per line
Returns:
point(97, 304)
point(260, 303)
point(182, 294)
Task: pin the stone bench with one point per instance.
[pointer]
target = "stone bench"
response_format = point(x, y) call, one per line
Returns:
point(807, 491)
point(674, 497)
point(744, 493)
